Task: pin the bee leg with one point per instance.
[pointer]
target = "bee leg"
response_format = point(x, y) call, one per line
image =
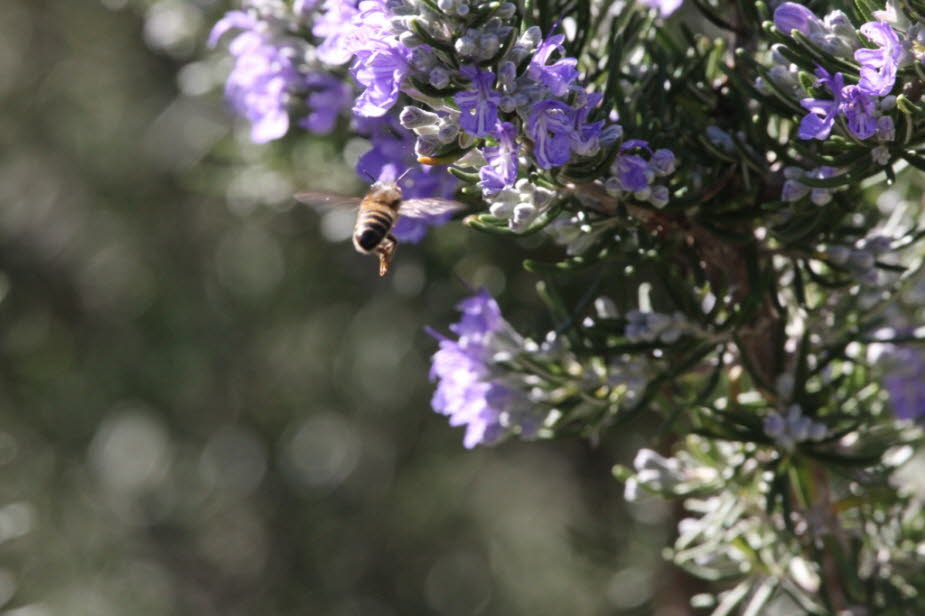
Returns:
point(386, 250)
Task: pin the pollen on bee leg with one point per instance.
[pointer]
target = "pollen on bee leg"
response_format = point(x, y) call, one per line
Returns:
point(386, 250)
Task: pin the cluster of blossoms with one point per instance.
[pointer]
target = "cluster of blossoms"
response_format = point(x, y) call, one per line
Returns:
point(496, 382)
point(632, 173)
point(863, 106)
point(278, 77)
point(277, 74)
point(471, 390)
point(457, 81)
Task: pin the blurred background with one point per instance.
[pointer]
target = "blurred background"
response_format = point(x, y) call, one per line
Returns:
point(210, 404)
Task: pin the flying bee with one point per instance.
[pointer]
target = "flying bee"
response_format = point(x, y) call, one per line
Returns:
point(378, 212)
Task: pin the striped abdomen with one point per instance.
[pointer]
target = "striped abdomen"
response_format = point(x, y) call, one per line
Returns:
point(374, 221)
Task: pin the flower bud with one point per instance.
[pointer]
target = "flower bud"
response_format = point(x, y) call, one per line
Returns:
point(886, 130)
point(610, 135)
point(660, 196)
point(507, 73)
point(793, 191)
point(427, 145)
point(531, 36)
point(439, 77)
point(412, 117)
point(423, 59)
point(881, 155)
point(838, 255)
point(410, 39)
point(613, 186)
point(879, 244)
point(820, 196)
point(720, 138)
point(523, 214)
point(448, 132)
point(489, 44)
point(507, 104)
point(861, 259)
point(663, 162)
point(790, 16)
point(506, 10)
point(839, 25)
point(465, 46)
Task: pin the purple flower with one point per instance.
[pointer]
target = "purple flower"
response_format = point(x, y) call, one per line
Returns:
point(327, 96)
point(467, 391)
point(481, 316)
point(860, 110)
point(365, 32)
point(886, 130)
point(633, 172)
point(793, 190)
point(550, 126)
point(334, 27)
point(665, 7)
point(878, 66)
point(501, 170)
point(557, 76)
point(263, 76)
point(478, 107)
point(663, 162)
point(585, 137)
point(634, 144)
point(304, 7)
point(790, 16)
point(817, 124)
point(391, 156)
point(381, 71)
point(906, 383)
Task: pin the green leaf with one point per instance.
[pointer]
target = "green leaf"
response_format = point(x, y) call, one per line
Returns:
point(907, 106)
point(852, 175)
point(499, 226)
point(916, 161)
point(762, 593)
point(820, 56)
point(732, 598)
point(866, 9)
point(465, 176)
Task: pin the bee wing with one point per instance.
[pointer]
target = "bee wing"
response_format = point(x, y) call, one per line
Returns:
point(419, 208)
point(326, 200)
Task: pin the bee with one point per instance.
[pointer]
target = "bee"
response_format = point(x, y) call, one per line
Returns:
point(378, 212)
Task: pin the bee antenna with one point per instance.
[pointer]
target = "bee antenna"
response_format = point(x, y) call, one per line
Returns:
point(369, 175)
point(402, 176)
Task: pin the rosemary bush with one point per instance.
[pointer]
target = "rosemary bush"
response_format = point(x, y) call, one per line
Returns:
point(731, 205)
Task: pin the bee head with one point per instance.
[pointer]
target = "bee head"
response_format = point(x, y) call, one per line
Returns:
point(387, 193)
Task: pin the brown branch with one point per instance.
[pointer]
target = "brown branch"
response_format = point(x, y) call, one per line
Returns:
point(726, 266)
